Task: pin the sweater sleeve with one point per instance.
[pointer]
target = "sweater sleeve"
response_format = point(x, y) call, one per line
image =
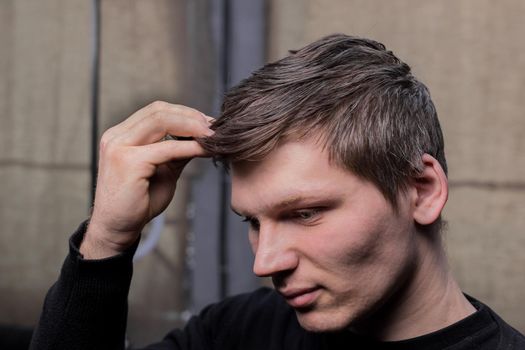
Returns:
point(87, 307)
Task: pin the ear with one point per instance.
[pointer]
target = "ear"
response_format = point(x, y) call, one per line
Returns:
point(431, 191)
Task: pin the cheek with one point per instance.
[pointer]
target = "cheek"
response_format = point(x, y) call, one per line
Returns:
point(359, 246)
point(351, 241)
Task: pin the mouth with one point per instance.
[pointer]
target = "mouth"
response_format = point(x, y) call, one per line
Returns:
point(300, 298)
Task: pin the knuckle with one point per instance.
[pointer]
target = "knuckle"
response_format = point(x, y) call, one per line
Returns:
point(158, 120)
point(158, 105)
point(157, 116)
point(108, 145)
point(106, 139)
point(107, 149)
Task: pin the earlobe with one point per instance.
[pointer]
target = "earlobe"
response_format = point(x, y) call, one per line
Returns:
point(431, 191)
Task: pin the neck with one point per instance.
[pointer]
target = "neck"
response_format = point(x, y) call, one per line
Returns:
point(429, 300)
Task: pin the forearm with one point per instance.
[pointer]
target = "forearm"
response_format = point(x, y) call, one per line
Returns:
point(87, 307)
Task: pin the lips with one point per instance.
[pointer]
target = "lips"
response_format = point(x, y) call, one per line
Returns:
point(300, 298)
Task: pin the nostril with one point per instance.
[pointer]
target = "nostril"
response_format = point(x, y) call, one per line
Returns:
point(278, 279)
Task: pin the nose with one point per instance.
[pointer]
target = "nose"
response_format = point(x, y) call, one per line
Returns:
point(274, 252)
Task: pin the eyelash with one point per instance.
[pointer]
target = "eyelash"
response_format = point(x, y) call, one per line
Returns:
point(253, 222)
point(311, 215)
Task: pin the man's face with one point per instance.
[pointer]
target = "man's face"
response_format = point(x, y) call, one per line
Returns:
point(333, 245)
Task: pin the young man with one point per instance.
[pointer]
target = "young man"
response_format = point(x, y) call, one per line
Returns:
point(337, 163)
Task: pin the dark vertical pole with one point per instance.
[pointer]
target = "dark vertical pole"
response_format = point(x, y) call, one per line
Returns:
point(95, 83)
point(223, 230)
point(246, 52)
point(222, 260)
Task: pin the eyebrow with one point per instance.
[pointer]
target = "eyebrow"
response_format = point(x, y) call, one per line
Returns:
point(297, 200)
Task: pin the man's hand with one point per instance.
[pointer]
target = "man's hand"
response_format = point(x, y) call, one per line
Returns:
point(138, 172)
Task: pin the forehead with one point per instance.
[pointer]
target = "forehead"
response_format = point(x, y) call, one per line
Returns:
point(295, 171)
point(285, 163)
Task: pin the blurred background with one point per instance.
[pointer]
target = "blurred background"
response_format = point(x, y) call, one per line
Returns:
point(69, 69)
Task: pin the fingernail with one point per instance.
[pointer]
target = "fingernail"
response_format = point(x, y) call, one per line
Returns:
point(209, 132)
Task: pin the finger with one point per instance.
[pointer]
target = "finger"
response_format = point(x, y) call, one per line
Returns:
point(151, 109)
point(209, 119)
point(154, 127)
point(161, 106)
point(168, 151)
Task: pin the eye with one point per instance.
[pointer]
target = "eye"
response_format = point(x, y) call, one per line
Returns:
point(307, 215)
point(253, 222)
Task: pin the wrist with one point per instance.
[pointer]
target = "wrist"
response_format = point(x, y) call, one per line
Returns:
point(100, 243)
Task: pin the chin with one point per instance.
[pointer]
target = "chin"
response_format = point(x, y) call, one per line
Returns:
point(318, 322)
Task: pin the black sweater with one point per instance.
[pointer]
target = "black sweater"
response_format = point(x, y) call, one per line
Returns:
point(87, 309)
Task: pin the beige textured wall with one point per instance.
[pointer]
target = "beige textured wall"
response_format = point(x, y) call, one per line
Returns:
point(45, 138)
point(44, 158)
point(471, 54)
point(142, 60)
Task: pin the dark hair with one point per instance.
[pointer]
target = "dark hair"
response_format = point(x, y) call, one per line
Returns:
point(372, 115)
